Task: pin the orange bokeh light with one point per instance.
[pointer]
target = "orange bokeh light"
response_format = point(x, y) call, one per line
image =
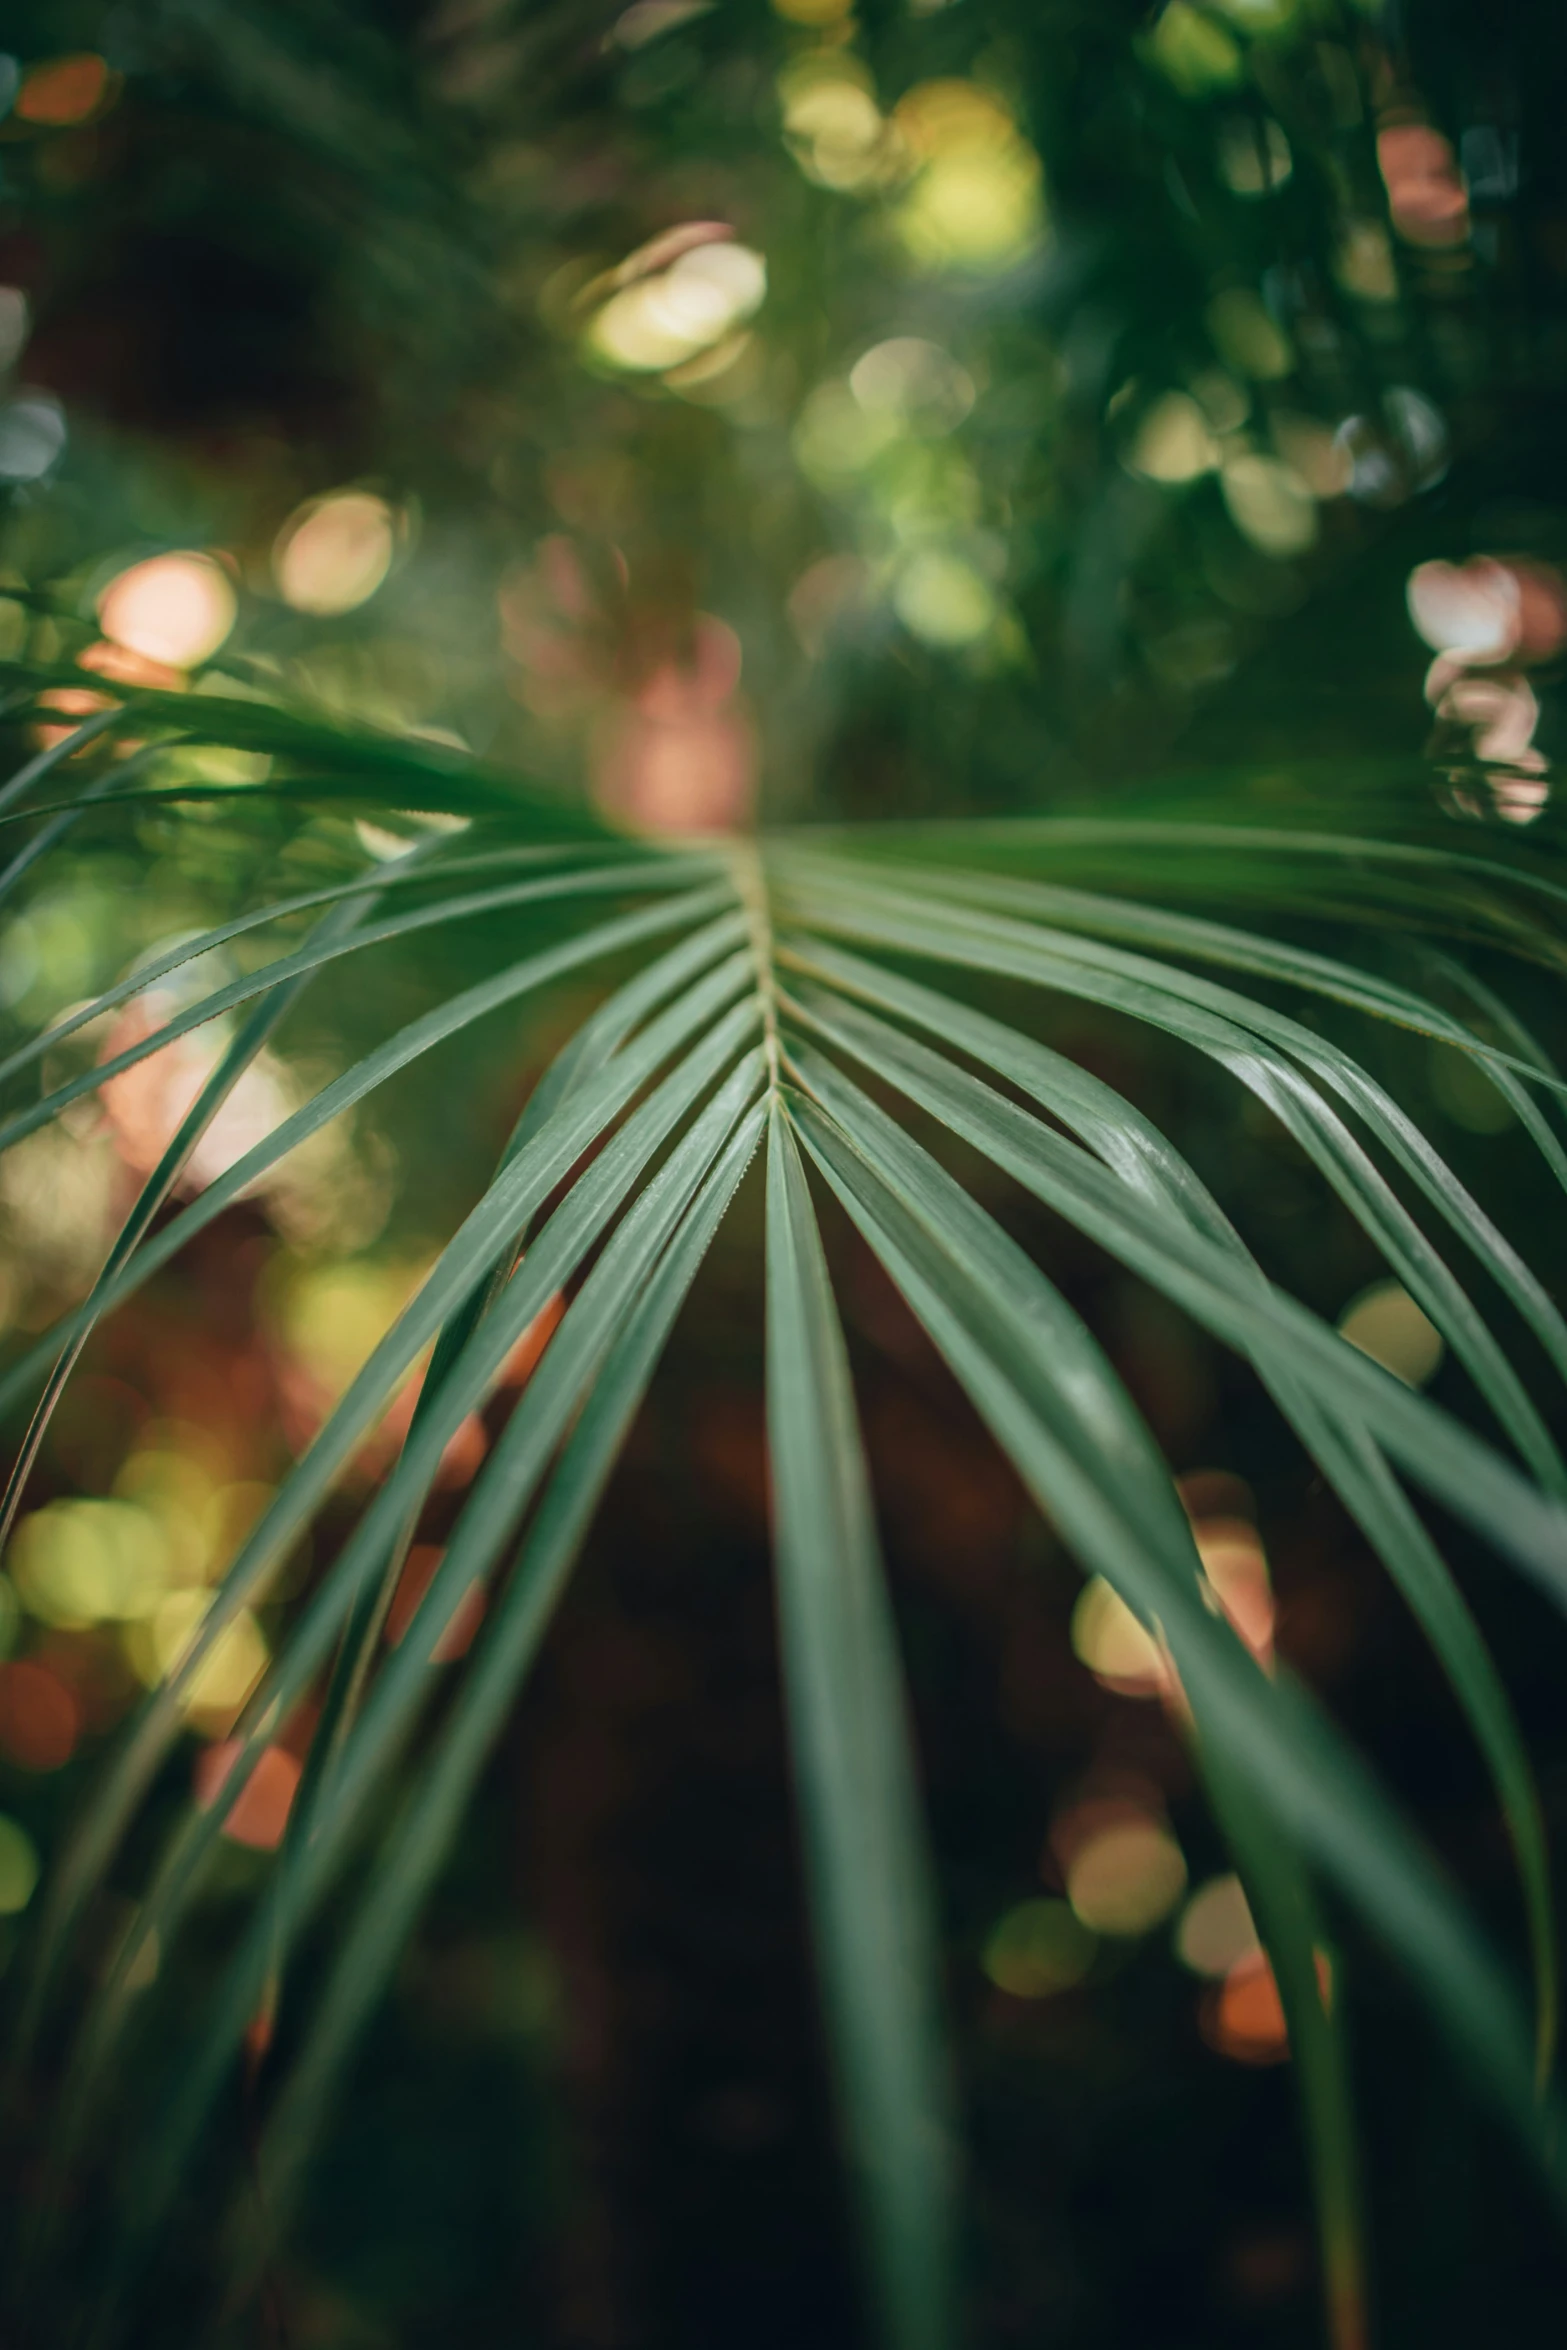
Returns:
point(40, 1719)
point(65, 90)
point(465, 1619)
point(1243, 2017)
point(681, 754)
point(260, 1811)
point(519, 1364)
point(76, 702)
point(464, 1456)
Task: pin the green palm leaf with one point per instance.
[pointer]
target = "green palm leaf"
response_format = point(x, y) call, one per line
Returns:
point(859, 1810)
point(763, 972)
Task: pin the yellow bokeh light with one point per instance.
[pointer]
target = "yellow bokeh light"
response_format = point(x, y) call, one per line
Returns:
point(977, 201)
point(1312, 450)
point(936, 117)
point(1258, 16)
point(1225, 403)
point(725, 373)
point(177, 609)
point(1125, 1877)
point(1172, 442)
point(943, 600)
point(227, 1673)
point(1385, 1323)
point(974, 209)
point(77, 1563)
point(1269, 503)
point(1193, 52)
point(1115, 1647)
point(1216, 1931)
point(634, 330)
point(832, 124)
point(331, 1316)
point(334, 552)
point(665, 319)
point(18, 1867)
point(1246, 337)
point(813, 12)
point(1364, 264)
point(1254, 157)
point(1037, 1949)
point(201, 1518)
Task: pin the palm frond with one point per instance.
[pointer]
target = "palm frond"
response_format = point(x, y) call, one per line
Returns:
point(766, 991)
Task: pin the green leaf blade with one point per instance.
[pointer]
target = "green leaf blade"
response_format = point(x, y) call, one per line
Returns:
point(858, 1805)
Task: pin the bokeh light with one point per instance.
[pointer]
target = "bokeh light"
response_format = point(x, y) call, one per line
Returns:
point(15, 322)
point(145, 1104)
point(1216, 1933)
point(40, 1718)
point(519, 1364)
point(328, 1316)
point(1426, 196)
point(667, 315)
point(33, 435)
point(1172, 442)
point(1363, 263)
point(227, 1673)
point(82, 1562)
point(1313, 452)
point(1235, 1566)
point(1193, 51)
point(1038, 1949)
point(176, 609)
point(977, 198)
point(1243, 2017)
point(334, 552)
point(19, 1867)
point(1115, 1647)
point(1385, 1323)
point(1124, 1656)
point(1124, 1870)
point(65, 90)
point(943, 599)
point(1486, 611)
point(1269, 504)
point(914, 382)
point(1246, 335)
point(679, 754)
point(1254, 157)
point(836, 436)
point(833, 126)
point(1469, 608)
point(259, 1813)
point(462, 1623)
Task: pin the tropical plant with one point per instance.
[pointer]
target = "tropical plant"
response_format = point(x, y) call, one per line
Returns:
point(1224, 310)
point(769, 1009)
